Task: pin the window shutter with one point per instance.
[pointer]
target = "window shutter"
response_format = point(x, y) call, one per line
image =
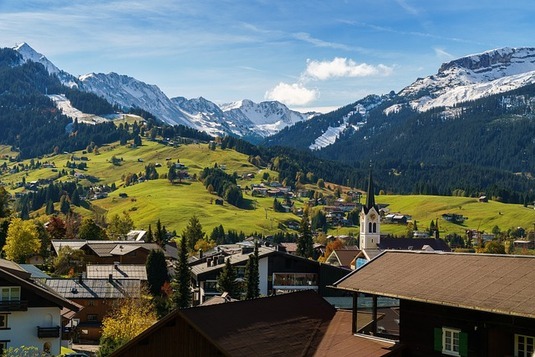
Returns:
point(463, 344)
point(438, 339)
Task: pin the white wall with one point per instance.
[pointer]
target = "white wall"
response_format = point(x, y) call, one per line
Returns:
point(23, 328)
point(263, 275)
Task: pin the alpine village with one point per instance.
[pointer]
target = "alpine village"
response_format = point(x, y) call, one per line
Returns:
point(133, 230)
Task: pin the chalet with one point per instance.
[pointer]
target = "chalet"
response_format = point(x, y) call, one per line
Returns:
point(465, 305)
point(279, 272)
point(344, 258)
point(108, 252)
point(97, 296)
point(30, 315)
point(395, 218)
point(293, 324)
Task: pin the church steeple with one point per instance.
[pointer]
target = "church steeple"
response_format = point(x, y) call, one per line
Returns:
point(370, 221)
point(370, 195)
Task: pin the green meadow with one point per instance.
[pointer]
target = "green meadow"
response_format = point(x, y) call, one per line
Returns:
point(148, 201)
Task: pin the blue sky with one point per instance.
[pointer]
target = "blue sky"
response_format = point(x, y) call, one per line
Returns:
point(306, 54)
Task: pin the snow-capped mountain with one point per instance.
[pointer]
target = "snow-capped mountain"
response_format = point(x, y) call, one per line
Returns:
point(243, 118)
point(470, 78)
point(127, 92)
point(463, 80)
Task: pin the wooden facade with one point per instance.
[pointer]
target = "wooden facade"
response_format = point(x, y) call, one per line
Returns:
point(486, 334)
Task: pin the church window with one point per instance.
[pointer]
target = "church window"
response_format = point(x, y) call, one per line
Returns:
point(375, 228)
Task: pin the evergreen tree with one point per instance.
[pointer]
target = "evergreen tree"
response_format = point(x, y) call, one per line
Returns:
point(156, 271)
point(182, 284)
point(305, 244)
point(75, 200)
point(160, 234)
point(150, 237)
point(193, 232)
point(226, 281)
point(49, 207)
point(218, 235)
point(4, 202)
point(252, 278)
point(64, 205)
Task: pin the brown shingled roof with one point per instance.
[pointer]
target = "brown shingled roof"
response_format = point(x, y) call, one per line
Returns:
point(502, 284)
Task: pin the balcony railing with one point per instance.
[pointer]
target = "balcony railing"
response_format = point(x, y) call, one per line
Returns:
point(47, 332)
point(14, 305)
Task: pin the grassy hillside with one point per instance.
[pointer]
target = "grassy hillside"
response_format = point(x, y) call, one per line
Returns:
point(482, 216)
point(149, 201)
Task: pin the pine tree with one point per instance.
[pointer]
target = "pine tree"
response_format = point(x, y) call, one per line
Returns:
point(305, 244)
point(252, 278)
point(193, 232)
point(156, 271)
point(75, 200)
point(226, 281)
point(49, 207)
point(182, 284)
point(150, 237)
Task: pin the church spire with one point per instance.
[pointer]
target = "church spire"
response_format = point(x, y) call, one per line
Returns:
point(370, 196)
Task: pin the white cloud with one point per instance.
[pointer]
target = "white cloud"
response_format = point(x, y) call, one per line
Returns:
point(442, 54)
point(292, 94)
point(343, 67)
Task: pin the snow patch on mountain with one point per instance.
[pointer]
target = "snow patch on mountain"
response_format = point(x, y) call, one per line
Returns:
point(332, 133)
point(470, 78)
point(64, 104)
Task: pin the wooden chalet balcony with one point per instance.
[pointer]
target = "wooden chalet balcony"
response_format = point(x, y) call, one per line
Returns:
point(14, 305)
point(47, 332)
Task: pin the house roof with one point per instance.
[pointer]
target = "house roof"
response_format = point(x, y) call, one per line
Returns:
point(104, 248)
point(345, 256)
point(293, 324)
point(95, 288)
point(288, 324)
point(199, 269)
point(25, 282)
point(118, 271)
point(35, 272)
point(338, 340)
point(503, 284)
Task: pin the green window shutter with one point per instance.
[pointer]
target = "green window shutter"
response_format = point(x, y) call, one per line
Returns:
point(438, 339)
point(463, 344)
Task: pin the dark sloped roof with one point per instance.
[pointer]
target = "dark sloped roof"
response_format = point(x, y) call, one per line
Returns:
point(288, 324)
point(413, 243)
point(95, 288)
point(293, 324)
point(346, 256)
point(104, 248)
point(503, 284)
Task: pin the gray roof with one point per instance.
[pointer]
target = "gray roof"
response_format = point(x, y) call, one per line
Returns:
point(119, 271)
point(95, 288)
point(237, 258)
point(35, 272)
point(104, 248)
point(503, 284)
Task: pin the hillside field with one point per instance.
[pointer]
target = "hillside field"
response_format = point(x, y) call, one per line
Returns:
point(149, 201)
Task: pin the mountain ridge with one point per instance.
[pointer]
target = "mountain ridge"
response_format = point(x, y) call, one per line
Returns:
point(129, 92)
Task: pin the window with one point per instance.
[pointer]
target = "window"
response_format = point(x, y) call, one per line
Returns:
point(451, 341)
point(92, 317)
point(10, 293)
point(3, 347)
point(369, 227)
point(375, 228)
point(3, 321)
point(524, 345)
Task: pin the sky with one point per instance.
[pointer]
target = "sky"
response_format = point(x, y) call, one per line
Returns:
point(310, 54)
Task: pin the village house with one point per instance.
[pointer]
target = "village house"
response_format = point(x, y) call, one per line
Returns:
point(279, 272)
point(293, 324)
point(450, 303)
point(108, 252)
point(97, 296)
point(30, 314)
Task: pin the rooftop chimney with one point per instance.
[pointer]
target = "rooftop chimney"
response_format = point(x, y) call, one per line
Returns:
point(110, 278)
